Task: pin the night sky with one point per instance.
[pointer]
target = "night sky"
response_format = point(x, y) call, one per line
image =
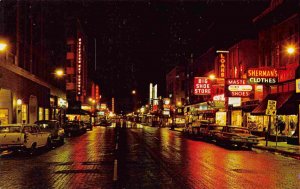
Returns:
point(138, 42)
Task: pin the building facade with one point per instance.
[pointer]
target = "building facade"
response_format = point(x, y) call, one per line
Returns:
point(26, 83)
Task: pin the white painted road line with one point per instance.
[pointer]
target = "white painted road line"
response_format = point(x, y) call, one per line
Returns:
point(115, 170)
point(117, 146)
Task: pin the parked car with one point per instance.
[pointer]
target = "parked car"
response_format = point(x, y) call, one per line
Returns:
point(74, 128)
point(105, 122)
point(88, 125)
point(198, 129)
point(236, 136)
point(23, 137)
point(54, 127)
point(209, 131)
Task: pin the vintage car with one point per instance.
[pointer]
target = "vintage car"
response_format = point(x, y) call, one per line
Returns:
point(23, 137)
point(73, 128)
point(236, 136)
point(209, 131)
point(54, 127)
point(197, 130)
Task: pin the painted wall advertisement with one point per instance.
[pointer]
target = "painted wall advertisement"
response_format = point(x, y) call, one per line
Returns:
point(202, 86)
point(262, 75)
point(238, 88)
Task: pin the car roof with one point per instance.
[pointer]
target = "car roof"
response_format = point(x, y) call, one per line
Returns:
point(17, 125)
point(45, 121)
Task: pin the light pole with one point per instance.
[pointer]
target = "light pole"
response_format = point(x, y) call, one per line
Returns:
point(134, 94)
point(291, 50)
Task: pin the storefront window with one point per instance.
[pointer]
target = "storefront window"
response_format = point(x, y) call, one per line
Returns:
point(41, 113)
point(46, 114)
point(285, 124)
point(221, 118)
point(3, 116)
point(257, 123)
point(236, 117)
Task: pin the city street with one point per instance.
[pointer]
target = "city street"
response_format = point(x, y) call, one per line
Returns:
point(146, 157)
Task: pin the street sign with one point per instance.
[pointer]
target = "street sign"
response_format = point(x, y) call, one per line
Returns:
point(271, 104)
point(270, 112)
point(271, 108)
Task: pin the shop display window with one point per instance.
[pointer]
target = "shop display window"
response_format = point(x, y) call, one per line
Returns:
point(236, 118)
point(221, 118)
point(41, 113)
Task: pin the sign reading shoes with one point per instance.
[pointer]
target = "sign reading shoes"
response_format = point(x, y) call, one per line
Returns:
point(237, 88)
point(262, 75)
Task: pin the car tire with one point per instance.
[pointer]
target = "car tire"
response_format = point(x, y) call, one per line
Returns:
point(61, 140)
point(32, 149)
point(49, 144)
point(249, 146)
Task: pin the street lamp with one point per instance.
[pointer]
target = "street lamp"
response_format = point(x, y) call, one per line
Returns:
point(3, 46)
point(59, 72)
point(133, 92)
point(212, 76)
point(290, 49)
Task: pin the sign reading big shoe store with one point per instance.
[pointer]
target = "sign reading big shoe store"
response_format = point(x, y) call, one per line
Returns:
point(262, 76)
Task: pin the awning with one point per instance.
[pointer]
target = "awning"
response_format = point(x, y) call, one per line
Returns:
point(286, 104)
point(78, 112)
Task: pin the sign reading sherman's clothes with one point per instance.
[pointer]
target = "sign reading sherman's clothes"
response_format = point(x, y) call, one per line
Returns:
point(262, 75)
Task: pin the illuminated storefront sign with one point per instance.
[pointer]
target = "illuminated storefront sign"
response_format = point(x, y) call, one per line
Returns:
point(202, 86)
point(222, 60)
point(262, 76)
point(79, 64)
point(219, 97)
point(237, 88)
point(235, 101)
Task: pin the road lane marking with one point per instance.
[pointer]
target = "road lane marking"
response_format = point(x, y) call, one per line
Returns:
point(117, 145)
point(115, 170)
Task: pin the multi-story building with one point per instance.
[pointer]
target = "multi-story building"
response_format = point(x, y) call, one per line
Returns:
point(26, 84)
point(76, 64)
point(175, 82)
point(278, 40)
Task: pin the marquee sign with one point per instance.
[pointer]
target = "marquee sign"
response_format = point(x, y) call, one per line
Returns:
point(237, 88)
point(202, 86)
point(262, 75)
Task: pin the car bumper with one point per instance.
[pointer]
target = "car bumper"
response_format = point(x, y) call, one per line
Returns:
point(11, 147)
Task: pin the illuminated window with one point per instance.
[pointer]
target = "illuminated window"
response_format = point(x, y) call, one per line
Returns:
point(46, 114)
point(41, 113)
point(24, 113)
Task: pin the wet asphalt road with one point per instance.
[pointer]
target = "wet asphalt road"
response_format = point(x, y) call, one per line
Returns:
point(146, 157)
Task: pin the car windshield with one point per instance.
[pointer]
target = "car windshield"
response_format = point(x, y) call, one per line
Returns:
point(215, 128)
point(47, 126)
point(10, 129)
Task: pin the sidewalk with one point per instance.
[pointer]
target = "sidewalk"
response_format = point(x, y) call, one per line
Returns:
point(282, 147)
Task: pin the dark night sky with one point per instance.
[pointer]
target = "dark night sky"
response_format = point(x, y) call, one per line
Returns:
point(138, 42)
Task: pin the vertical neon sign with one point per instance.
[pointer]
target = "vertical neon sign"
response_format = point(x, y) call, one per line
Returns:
point(79, 61)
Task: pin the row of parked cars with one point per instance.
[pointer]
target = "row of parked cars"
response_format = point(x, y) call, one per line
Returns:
point(44, 133)
point(223, 135)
